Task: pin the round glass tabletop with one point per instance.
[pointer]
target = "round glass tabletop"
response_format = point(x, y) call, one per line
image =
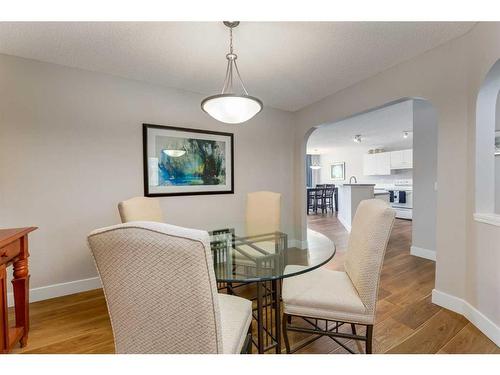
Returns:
point(242, 253)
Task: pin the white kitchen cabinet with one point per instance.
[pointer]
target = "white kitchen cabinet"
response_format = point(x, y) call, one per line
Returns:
point(377, 164)
point(396, 159)
point(408, 158)
point(383, 162)
point(369, 165)
point(402, 159)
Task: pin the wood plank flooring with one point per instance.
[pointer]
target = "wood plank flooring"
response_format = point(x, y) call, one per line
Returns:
point(406, 322)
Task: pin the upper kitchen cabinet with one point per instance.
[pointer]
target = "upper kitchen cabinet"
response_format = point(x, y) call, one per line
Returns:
point(377, 164)
point(401, 159)
point(380, 164)
point(369, 165)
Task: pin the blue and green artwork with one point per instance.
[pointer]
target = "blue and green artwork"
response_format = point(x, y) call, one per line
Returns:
point(190, 161)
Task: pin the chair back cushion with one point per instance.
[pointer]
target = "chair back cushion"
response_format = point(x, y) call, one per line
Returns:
point(371, 229)
point(160, 288)
point(263, 212)
point(140, 209)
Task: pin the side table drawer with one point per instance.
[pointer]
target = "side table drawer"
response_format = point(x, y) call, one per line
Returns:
point(10, 251)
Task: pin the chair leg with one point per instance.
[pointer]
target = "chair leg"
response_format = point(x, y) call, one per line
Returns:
point(250, 344)
point(247, 346)
point(285, 321)
point(353, 328)
point(369, 338)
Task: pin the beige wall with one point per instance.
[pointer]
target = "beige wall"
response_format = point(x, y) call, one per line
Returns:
point(71, 149)
point(468, 253)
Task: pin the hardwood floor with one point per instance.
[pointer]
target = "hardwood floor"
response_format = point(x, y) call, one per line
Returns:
point(406, 322)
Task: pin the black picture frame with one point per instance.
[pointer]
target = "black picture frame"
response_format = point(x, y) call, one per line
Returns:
point(147, 193)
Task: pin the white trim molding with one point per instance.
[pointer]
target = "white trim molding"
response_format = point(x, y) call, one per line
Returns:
point(458, 305)
point(59, 290)
point(423, 253)
point(492, 219)
point(343, 221)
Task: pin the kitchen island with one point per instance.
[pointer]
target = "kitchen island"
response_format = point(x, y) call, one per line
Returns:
point(349, 197)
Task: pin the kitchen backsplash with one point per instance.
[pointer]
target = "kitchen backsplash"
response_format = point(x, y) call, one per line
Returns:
point(398, 174)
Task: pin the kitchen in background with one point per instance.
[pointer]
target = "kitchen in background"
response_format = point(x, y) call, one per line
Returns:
point(375, 148)
point(389, 153)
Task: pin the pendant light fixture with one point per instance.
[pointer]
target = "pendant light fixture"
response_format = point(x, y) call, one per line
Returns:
point(228, 106)
point(315, 165)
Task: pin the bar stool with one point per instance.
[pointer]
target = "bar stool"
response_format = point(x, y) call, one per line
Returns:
point(329, 190)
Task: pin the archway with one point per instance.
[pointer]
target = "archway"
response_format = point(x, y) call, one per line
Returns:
point(487, 123)
point(424, 171)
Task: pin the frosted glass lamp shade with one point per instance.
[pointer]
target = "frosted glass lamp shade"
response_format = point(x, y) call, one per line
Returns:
point(230, 108)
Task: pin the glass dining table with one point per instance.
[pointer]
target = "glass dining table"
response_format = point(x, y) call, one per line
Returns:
point(252, 262)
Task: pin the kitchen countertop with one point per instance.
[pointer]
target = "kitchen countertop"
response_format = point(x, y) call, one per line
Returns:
point(358, 184)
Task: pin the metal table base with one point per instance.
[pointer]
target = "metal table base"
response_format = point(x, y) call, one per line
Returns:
point(266, 313)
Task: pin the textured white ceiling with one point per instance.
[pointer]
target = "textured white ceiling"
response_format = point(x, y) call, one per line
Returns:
point(287, 64)
point(381, 128)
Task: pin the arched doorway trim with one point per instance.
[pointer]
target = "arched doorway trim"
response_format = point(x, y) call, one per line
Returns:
point(485, 159)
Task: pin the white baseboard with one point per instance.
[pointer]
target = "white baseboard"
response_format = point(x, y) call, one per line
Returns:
point(58, 290)
point(458, 305)
point(423, 253)
point(346, 225)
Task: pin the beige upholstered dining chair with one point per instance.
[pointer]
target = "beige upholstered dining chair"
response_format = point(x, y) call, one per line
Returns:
point(263, 212)
point(140, 209)
point(161, 292)
point(263, 216)
point(343, 297)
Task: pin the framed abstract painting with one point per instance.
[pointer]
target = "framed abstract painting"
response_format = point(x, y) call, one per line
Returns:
point(337, 171)
point(183, 161)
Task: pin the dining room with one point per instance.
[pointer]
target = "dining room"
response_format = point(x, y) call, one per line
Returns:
point(172, 188)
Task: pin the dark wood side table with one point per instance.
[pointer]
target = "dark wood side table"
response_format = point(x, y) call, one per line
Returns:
point(14, 250)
